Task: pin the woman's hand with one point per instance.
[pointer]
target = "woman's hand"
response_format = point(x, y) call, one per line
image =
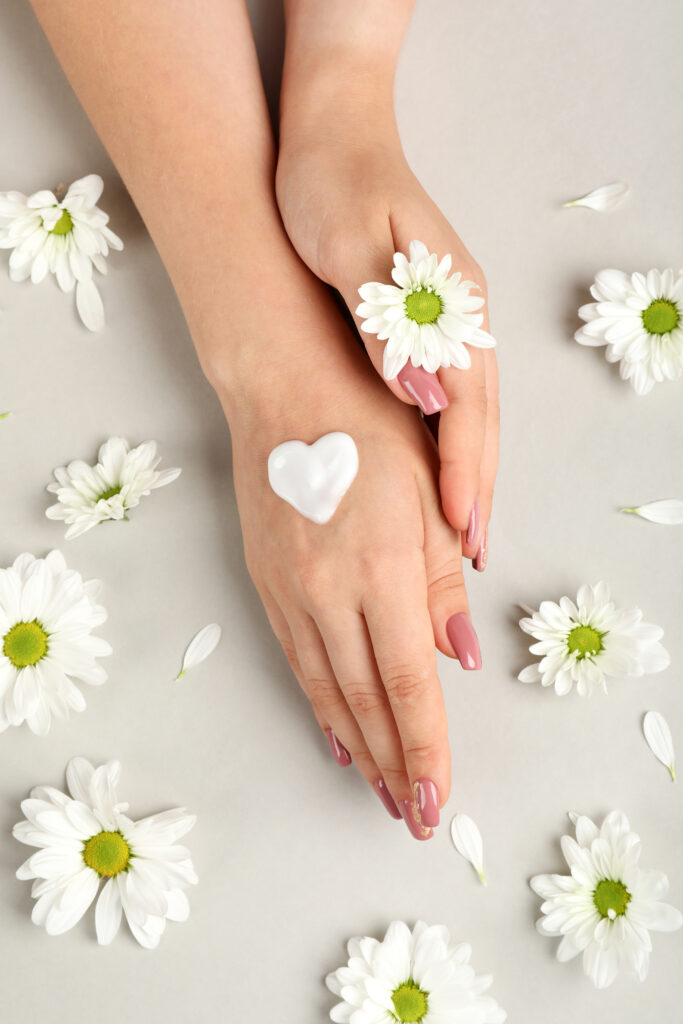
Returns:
point(349, 201)
point(359, 602)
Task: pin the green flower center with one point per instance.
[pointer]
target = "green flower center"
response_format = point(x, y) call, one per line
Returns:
point(107, 853)
point(64, 225)
point(25, 643)
point(611, 898)
point(661, 316)
point(584, 640)
point(410, 1002)
point(423, 306)
point(105, 495)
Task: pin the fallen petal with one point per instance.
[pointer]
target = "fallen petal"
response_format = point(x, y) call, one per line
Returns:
point(200, 647)
point(668, 511)
point(658, 735)
point(468, 842)
point(602, 198)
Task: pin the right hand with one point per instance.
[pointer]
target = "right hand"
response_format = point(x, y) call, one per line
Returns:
point(358, 603)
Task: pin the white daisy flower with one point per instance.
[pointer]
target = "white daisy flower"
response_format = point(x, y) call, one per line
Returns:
point(584, 642)
point(427, 317)
point(66, 238)
point(47, 615)
point(89, 495)
point(411, 976)
point(86, 838)
point(606, 908)
point(640, 319)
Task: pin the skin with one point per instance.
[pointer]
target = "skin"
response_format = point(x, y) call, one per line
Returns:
point(349, 200)
point(174, 92)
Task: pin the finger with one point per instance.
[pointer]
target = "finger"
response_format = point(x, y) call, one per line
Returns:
point(454, 633)
point(350, 653)
point(331, 708)
point(372, 261)
point(489, 461)
point(462, 431)
point(403, 643)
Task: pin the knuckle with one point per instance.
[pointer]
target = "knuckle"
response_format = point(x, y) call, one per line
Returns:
point(324, 693)
point(449, 580)
point(406, 685)
point(364, 701)
point(291, 656)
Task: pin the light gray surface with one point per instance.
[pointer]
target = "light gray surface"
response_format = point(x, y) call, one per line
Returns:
point(506, 110)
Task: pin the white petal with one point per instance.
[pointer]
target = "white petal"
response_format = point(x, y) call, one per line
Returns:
point(668, 511)
point(89, 305)
point(468, 842)
point(602, 198)
point(108, 913)
point(659, 739)
point(200, 647)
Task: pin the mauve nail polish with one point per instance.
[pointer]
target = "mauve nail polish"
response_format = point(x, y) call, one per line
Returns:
point(409, 814)
point(382, 790)
point(473, 525)
point(424, 387)
point(481, 558)
point(427, 801)
point(341, 754)
point(464, 640)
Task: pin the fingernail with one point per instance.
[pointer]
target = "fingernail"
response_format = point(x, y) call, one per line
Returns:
point(424, 387)
point(464, 640)
point(427, 800)
point(339, 751)
point(381, 789)
point(473, 525)
point(408, 811)
point(482, 555)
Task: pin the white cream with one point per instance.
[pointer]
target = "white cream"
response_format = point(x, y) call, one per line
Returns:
point(314, 478)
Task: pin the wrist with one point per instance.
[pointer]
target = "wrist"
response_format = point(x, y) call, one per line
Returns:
point(340, 63)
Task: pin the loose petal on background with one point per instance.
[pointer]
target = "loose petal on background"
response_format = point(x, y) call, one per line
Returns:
point(659, 739)
point(468, 842)
point(668, 511)
point(602, 198)
point(200, 647)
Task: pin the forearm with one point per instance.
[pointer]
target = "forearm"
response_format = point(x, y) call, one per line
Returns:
point(174, 91)
point(341, 55)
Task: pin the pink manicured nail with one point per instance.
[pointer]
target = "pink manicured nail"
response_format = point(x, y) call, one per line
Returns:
point(423, 387)
point(427, 801)
point(473, 525)
point(409, 814)
point(341, 754)
point(481, 558)
point(381, 789)
point(464, 640)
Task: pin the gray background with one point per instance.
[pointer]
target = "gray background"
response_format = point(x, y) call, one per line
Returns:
point(506, 110)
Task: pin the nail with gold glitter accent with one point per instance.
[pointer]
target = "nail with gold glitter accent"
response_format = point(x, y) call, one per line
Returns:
point(410, 814)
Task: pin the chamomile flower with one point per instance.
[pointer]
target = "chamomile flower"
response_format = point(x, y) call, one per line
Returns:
point(606, 908)
point(639, 317)
point(427, 316)
point(85, 839)
point(66, 238)
point(47, 615)
point(586, 641)
point(411, 976)
point(89, 495)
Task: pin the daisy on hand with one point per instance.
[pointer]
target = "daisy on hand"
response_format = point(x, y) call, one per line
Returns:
point(66, 238)
point(86, 839)
point(427, 317)
point(607, 906)
point(586, 641)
